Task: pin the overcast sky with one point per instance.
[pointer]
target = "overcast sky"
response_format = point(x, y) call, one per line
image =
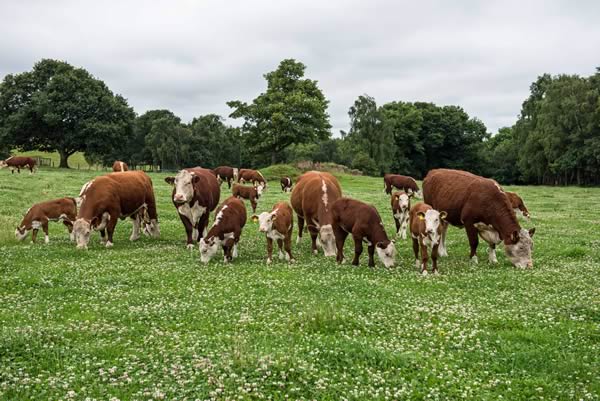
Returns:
point(193, 56)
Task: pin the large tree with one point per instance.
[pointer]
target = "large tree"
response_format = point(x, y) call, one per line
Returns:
point(57, 107)
point(292, 110)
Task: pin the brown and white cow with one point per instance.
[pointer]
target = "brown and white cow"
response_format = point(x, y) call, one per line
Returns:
point(286, 184)
point(195, 194)
point(19, 162)
point(225, 231)
point(278, 225)
point(107, 198)
point(253, 176)
point(63, 210)
point(244, 192)
point(479, 205)
point(312, 197)
point(401, 182)
point(401, 212)
point(426, 226)
point(517, 204)
point(118, 165)
point(354, 217)
point(226, 173)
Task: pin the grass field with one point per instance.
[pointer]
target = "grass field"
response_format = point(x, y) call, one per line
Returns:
point(145, 320)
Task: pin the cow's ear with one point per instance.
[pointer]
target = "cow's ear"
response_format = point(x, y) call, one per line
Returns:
point(514, 237)
point(381, 245)
point(421, 216)
point(195, 179)
point(443, 215)
point(531, 231)
point(170, 180)
point(397, 197)
point(94, 222)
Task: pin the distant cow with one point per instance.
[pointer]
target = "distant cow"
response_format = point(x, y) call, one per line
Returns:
point(118, 165)
point(226, 173)
point(107, 198)
point(401, 182)
point(278, 225)
point(426, 225)
point(311, 199)
point(354, 217)
point(401, 211)
point(517, 204)
point(286, 184)
point(479, 205)
point(38, 216)
point(244, 192)
point(225, 231)
point(18, 162)
point(195, 194)
point(253, 176)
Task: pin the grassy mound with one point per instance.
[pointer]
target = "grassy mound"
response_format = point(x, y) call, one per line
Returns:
point(276, 171)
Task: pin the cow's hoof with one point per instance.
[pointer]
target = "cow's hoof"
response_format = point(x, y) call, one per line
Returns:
point(109, 244)
point(424, 273)
point(474, 260)
point(417, 263)
point(269, 261)
point(190, 246)
point(281, 255)
point(315, 252)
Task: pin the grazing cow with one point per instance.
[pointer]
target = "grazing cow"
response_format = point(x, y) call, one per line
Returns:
point(311, 199)
point(244, 192)
point(195, 194)
point(253, 176)
point(107, 198)
point(278, 225)
point(426, 225)
point(479, 205)
point(517, 204)
point(225, 231)
point(354, 217)
point(401, 182)
point(38, 215)
point(226, 173)
point(18, 162)
point(118, 165)
point(401, 211)
point(286, 184)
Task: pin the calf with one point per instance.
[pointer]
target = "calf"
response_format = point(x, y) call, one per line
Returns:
point(118, 165)
point(278, 225)
point(401, 182)
point(354, 217)
point(286, 184)
point(18, 162)
point(244, 192)
point(63, 209)
point(517, 204)
point(426, 225)
point(253, 176)
point(225, 231)
point(401, 211)
point(226, 173)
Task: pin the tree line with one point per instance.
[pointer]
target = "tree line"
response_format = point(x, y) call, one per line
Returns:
point(555, 140)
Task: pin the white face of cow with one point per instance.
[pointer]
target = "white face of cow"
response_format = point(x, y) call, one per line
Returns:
point(82, 231)
point(184, 190)
point(327, 240)
point(432, 219)
point(403, 202)
point(265, 222)
point(259, 189)
point(386, 253)
point(3, 164)
point(21, 233)
point(209, 248)
point(519, 253)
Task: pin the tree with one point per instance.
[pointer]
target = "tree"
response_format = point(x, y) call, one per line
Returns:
point(56, 107)
point(292, 110)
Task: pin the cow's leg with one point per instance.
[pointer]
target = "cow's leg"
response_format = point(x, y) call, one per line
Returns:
point(45, 228)
point(424, 258)
point(415, 242)
point(280, 245)
point(253, 203)
point(358, 248)
point(314, 236)
point(235, 245)
point(473, 236)
point(442, 250)
point(404, 226)
point(110, 228)
point(397, 221)
point(300, 228)
point(69, 226)
point(434, 256)
point(202, 224)
point(371, 251)
point(340, 239)
point(269, 251)
point(103, 236)
point(135, 232)
point(287, 243)
point(34, 235)
point(189, 230)
point(492, 253)
point(229, 182)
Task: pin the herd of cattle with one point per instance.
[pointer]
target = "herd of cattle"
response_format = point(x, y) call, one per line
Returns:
point(455, 197)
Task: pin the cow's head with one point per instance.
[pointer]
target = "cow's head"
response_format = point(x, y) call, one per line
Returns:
point(432, 219)
point(401, 201)
point(184, 186)
point(386, 251)
point(520, 247)
point(82, 230)
point(21, 233)
point(3, 164)
point(327, 240)
point(152, 228)
point(259, 189)
point(265, 221)
point(209, 248)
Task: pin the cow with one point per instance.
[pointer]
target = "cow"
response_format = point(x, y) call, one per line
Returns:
point(286, 184)
point(278, 225)
point(401, 211)
point(401, 182)
point(195, 194)
point(19, 162)
point(107, 198)
point(480, 206)
point(311, 199)
point(517, 204)
point(225, 231)
point(426, 225)
point(63, 210)
point(350, 216)
point(244, 192)
point(226, 173)
point(118, 165)
point(253, 176)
